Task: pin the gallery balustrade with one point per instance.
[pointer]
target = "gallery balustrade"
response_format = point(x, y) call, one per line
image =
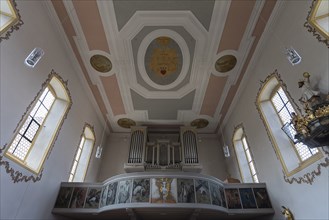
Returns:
point(135, 191)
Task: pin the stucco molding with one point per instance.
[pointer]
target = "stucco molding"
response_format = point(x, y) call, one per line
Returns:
point(308, 178)
point(15, 26)
point(16, 175)
point(312, 29)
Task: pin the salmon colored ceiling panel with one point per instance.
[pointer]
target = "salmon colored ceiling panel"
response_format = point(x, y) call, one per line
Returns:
point(236, 23)
point(214, 91)
point(64, 18)
point(91, 24)
point(112, 91)
point(70, 33)
point(258, 31)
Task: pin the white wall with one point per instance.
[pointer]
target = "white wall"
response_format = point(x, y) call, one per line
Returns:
point(305, 201)
point(19, 86)
point(114, 155)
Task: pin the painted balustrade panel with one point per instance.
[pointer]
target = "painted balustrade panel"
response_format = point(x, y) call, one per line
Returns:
point(163, 190)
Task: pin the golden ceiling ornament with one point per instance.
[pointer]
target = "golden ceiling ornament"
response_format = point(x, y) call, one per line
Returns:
point(126, 122)
point(225, 63)
point(200, 123)
point(164, 60)
point(101, 63)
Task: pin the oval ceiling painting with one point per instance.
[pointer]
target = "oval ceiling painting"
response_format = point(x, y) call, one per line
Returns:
point(163, 60)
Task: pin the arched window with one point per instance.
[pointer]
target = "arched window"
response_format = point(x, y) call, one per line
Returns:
point(10, 19)
point(82, 155)
point(317, 21)
point(275, 107)
point(244, 156)
point(39, 127)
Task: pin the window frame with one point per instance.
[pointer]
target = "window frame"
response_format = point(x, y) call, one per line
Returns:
point(275, 90)
point(312, 25)
point(38, 130)
point(245, 148)
point(259, 101)
point(83, 135)
point(13, 24)
point(45, 149)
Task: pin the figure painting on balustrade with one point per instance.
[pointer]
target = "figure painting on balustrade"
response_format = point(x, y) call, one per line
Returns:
point(202, 191)
point(104, 196)
point(64, 197)
point(247, 198)
point(141, 190)
point(222, 195)
point(262, 198)
point(185, 191)
point(93, 197)
point(111, 193)
point(233, 198)
point(78, 197)
point(164, 190)
point(216, 198)
point(124, 191)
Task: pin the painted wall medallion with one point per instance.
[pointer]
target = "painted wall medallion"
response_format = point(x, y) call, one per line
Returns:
point(200, 123)
point(225, 63)
point(126, 122)
point(101, 63)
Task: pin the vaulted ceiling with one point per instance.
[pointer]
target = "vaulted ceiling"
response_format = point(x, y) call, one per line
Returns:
point(163, 62)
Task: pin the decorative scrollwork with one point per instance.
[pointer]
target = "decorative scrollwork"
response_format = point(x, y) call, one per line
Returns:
point(18, 176)
point(312, 29)
point(14, 27)
point(308, 178)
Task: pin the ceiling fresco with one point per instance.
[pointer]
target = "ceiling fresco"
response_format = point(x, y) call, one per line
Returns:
point(163, 63)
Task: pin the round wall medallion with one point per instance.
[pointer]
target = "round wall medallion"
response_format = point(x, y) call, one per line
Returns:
point(200, 123)
point(126, 122)
point(101, 63)
point(225, 63)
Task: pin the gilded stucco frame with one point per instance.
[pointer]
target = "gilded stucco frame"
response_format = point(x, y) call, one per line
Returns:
point(308, 177)
point(16, 175)
point(312, 26)
point(15, 25)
